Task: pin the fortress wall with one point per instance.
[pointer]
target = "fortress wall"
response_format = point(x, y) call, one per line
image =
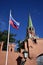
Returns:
point(12, 56)
point(2, 57)
point(35, 49)
point(12, 59)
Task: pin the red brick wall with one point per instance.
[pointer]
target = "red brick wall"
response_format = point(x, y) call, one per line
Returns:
point(35, 49)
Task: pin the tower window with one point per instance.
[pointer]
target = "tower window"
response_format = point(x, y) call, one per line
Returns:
point(11, 49)
point(29, 28)
point(34, 40)
point(0, 45)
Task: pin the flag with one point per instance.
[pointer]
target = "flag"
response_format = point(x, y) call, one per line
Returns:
point(13, 22)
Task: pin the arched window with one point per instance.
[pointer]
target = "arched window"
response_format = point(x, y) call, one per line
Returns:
point(11, 49)
point(0, 46)
point(40, 60)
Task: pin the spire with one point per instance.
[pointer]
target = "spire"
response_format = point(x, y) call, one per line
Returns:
point(30, 33)
point(30, 29)
point(30, 22)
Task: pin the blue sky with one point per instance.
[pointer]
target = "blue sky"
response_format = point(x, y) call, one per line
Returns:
point(20, 12)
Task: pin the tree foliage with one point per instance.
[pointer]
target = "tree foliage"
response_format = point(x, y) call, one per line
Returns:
point(4, 37)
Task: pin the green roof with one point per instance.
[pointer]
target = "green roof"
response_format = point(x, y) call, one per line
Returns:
point(30, 22)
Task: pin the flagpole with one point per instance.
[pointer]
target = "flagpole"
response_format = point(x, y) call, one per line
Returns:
point(8, 43)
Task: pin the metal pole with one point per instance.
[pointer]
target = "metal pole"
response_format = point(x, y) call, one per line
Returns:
point(8, 43)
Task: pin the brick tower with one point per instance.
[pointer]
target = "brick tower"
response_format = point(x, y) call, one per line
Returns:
point(30, 29)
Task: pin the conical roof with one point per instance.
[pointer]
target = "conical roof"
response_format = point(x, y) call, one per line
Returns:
point(30, 22)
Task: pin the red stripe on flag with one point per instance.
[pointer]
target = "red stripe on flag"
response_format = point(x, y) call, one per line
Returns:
point(14, 26)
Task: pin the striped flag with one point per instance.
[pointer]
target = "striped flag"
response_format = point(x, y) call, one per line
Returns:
point(13, 22)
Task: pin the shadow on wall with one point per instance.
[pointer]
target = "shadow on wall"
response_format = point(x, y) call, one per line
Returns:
point(19, 59)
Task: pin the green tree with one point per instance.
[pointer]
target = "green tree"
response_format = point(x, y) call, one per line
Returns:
point(0, 36)
point(4, 37)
